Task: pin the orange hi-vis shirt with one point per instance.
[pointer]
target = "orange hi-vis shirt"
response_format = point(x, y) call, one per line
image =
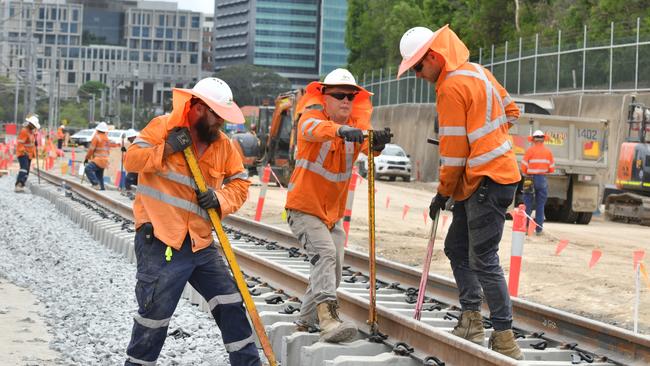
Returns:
point(538, 160)
point(320, 179)
point(166, 194)
point(26, 143)
point(59, 134)
point(99, 150)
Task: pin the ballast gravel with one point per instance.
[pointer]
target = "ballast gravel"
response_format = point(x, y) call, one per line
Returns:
point(86, 289)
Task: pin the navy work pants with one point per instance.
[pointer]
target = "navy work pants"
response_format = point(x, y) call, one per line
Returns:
point(540, 184)
point(472, 246)
point(160, 286)
point(95, 174)
point(24, 163)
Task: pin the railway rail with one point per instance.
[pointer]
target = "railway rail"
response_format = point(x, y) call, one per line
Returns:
point(278, 273)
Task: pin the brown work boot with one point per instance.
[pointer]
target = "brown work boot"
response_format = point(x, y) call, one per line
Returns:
point(96, 187)
point(470, 327)
point(503, 341)
point(19, 188)
point(333, 329)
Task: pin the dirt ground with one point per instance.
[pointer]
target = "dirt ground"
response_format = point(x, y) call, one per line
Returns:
point(605, 293)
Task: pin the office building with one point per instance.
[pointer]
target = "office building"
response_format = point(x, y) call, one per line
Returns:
point(149, 45)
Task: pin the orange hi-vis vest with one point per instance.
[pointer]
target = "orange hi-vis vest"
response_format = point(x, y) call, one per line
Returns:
point(26, 143)
point(320, 179)
point(99, 150)
point(475, 113)
point(59, 134)
point(537, 160)
point(166, 194)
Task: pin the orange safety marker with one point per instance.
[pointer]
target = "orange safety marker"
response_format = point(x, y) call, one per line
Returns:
point(518, 237)
point(595, 256)
point(347, 215)
point(387, 201)
point(72, 169)
point(560, 246)
point(638, 257)
point(265, 183)
point(405, 210)
point(425, 216)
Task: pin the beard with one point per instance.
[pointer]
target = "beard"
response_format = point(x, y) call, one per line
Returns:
point(205, 132)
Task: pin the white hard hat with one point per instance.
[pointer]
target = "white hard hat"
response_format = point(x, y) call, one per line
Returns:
point(538, 133)
point(340, 77)
point(102, 127)
point(62, 126)
point(413, 46)
point(33, 120)
point(218, 96)
point(130, 133)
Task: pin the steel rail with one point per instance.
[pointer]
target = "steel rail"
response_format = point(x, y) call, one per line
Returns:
point(617, 344)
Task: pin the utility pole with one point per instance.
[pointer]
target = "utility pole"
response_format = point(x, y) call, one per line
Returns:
point(134, 84)
point(101, 105)
point(91, 110)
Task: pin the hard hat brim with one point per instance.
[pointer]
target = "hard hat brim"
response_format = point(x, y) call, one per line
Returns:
point(230, 113)
point(408, 63)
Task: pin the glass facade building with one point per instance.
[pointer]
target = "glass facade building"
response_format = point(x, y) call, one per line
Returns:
point(283, 35)
point(333, 54)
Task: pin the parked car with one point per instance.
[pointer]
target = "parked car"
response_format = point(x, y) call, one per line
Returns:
point(392, 163)
point(83, 137)
point(115, 137)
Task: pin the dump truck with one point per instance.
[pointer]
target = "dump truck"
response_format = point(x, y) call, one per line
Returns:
point(579, 146)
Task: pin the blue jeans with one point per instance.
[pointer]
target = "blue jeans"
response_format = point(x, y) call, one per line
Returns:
point(472, 246)
point(95, 174)
point(540, 185)
point(24, 163)
point(160, 286)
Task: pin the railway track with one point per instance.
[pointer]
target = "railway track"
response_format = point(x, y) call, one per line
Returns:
point(278, 273)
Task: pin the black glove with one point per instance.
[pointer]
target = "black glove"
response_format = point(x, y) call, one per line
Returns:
point(350, 134)
point(85, 161)
point(208, 199)
point(179, 138)
point(123, 149)
point(381, 138)
point(437, 203)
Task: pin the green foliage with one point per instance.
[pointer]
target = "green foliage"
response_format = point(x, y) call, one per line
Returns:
point(91, 87)
point(374, 28)
point(250, 83)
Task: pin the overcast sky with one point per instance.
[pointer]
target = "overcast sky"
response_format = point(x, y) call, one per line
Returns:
point(204, 6)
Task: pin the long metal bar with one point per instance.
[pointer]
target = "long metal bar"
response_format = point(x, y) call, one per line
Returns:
point(232, 261)
point(372, 309)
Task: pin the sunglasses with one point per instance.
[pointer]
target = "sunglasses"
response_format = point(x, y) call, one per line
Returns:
point(209, 109)
point(341, 96)
point(418, 67)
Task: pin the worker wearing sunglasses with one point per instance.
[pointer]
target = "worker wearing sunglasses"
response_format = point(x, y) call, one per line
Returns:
point(329, 142)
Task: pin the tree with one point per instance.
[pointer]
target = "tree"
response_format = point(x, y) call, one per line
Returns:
point(250, 84)
point(91, 87)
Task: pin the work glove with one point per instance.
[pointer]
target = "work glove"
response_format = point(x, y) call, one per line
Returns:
point(85, 161)
point(208, 199)
point(381, 138)
point(179, 138)
point(123, 149)
point(438, 203)
point(350, 134)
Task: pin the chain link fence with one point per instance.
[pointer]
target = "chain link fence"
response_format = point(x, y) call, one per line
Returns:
point(562, 64)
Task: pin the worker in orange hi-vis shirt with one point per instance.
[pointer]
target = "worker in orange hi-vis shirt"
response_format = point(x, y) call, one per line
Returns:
point(26, 150)
point(537, 162)
point(478, 170)
point(98, 154)
point(60, 137)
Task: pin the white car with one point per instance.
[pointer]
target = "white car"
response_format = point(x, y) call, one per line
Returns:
point(392, 163)
point(115, 136)
point(83, 137)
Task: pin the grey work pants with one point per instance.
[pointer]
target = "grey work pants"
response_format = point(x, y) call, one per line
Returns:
point(325, 249)
point(472, 246)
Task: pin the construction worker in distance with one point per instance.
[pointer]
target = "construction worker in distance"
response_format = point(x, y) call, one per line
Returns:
point(329, 141)
point(537, 162)
point(60, 137)
point(478, 170)
point(131, 177)
point(26, 150)
point(173, 241)
point(98, 154)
